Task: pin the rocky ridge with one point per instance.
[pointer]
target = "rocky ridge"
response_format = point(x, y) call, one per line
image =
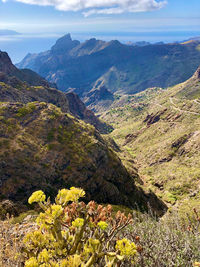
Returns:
point(17, 89)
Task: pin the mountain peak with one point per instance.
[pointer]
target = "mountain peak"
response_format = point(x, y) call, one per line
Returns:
point(67, 37)
point(64, 44)
point(6, 65)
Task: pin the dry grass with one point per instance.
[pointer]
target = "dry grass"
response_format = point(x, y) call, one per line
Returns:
point(10, 244)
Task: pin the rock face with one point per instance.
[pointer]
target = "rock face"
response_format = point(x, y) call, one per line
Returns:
point(13, 89)
point(79, 110)
point(123, 68)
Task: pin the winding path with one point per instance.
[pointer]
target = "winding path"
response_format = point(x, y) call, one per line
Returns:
point(182, 110)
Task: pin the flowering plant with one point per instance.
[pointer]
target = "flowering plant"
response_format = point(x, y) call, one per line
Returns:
point(71, 233)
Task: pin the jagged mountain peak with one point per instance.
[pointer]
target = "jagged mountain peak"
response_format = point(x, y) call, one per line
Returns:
point(67, 37)
point(64, 44)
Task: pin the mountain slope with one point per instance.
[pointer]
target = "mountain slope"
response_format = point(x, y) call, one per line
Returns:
point(43, 146)
point(122, 68)
point(19, 89)
point(159, 130)
point(25, 75)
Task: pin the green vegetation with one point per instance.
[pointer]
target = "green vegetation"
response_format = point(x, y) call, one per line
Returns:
point(163, 140)
point(72, 233)
point(26, 109)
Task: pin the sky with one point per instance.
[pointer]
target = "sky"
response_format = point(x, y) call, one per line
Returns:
point(42, 22)
point(56, 16)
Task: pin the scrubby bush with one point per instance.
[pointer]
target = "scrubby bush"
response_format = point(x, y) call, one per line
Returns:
point(74, 234)
point(171, 241)
point(26, 109)
point(71, 233)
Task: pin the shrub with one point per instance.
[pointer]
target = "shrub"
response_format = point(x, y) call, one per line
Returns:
point(26, 109)
point(74, 234)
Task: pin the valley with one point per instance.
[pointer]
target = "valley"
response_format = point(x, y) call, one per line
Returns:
point(99, 133)
point(159, 131)
point(49, 139)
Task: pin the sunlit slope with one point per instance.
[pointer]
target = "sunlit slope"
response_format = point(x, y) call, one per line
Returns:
point(160, 130)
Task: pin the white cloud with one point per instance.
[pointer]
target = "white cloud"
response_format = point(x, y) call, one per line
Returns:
point(89, 7)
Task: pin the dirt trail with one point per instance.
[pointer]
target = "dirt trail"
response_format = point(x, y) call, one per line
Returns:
point(181, 110)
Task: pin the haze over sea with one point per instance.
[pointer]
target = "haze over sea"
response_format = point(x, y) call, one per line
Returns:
point(17, 46)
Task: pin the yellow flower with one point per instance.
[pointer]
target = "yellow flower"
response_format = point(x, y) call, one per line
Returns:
point(65, 195)
point(126, 247)
point(32, 262)
point(56, 211)
point(77, 192)
point(37, 196)
point(197, 264)
point(43, 256)
point(72, 261)
point(78, 222)
point(62, 196)
point(102, 225)
point(91, 246)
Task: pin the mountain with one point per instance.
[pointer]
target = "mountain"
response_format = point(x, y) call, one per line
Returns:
point(159, 130)
point(122, 68)
point(197, 38)
point(99, 98)
point(8, 32)
point(64, 45)
point(191, 88)
point(35, 88)
point(26, 75)
point(45, 144)
point(140, 43)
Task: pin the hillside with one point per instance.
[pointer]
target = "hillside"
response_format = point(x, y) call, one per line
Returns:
point(25, 75)
point(159, 130)
point(26, 86)
point(123, 69)
point(45, 144)
point(41, 147)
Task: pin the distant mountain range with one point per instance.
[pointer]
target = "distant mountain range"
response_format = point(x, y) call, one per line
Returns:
point(121, 68)
point(8, 32)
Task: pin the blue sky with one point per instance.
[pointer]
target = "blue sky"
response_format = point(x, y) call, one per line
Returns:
point(58, 16)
